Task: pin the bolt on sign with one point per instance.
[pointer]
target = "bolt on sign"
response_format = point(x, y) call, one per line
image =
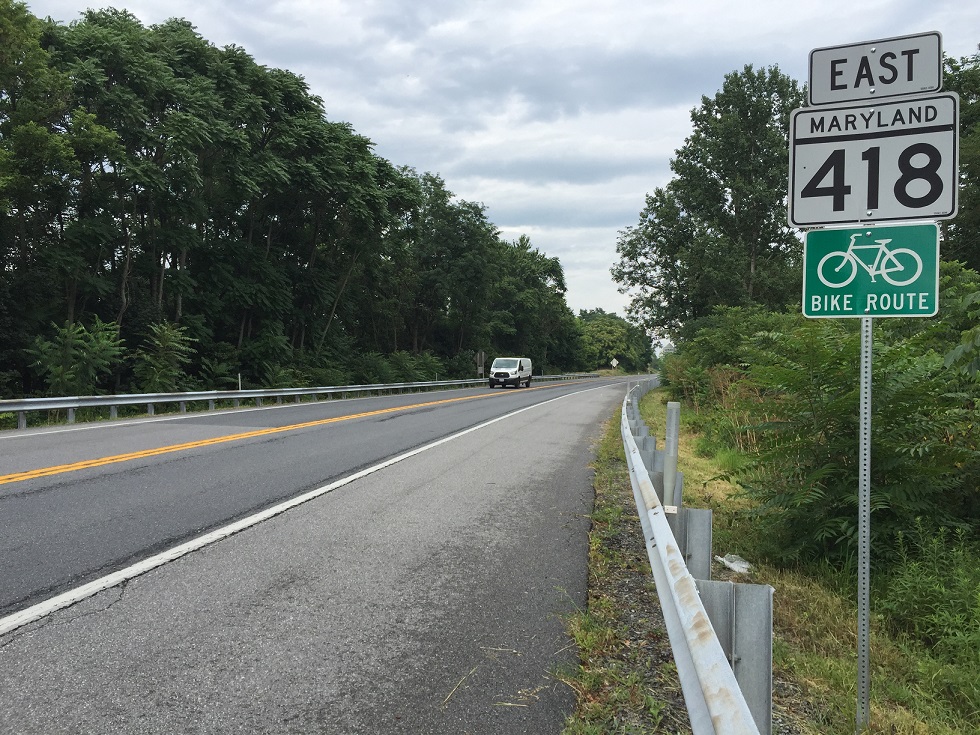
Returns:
point(871, 272)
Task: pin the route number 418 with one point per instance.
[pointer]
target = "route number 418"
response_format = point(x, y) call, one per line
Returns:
point(884, 162)
point(915, 185)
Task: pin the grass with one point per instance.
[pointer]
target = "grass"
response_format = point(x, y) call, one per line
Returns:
point(624, 682)
point(815, 616)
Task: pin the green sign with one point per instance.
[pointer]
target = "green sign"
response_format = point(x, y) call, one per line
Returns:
point(871, 271)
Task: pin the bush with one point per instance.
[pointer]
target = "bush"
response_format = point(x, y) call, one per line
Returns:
point(78, 359)
point(161, 362)
point(933, 592)
point(371, 368)
point(923, 436)
point(404, 367)
point(429, 367)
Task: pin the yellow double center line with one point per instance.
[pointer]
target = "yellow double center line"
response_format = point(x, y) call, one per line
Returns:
point(116, 458)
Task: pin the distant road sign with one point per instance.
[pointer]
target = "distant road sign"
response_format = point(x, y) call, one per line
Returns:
point(872, 271)
point(872, 70)
point(883, 162)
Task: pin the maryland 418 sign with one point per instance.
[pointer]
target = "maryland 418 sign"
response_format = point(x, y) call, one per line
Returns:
point(874, 162)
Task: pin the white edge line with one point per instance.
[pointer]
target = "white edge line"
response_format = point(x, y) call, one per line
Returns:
point(66, 599)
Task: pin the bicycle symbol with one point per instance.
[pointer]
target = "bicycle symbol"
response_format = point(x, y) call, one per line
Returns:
point(899, 267)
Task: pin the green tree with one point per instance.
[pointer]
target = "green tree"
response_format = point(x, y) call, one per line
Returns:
point(36, 175)
point(717, 234)
point(608, 337)
point(528, 312)
point(961, 235)
point(148, 178)
point(161, 362)
point(678, 268)
point(78, 359)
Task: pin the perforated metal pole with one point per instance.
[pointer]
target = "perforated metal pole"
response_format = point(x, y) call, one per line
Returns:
point(864, 530)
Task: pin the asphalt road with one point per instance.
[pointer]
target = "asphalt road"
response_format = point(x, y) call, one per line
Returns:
point(424, 597)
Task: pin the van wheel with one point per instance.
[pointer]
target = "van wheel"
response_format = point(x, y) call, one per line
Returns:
point(528, 383)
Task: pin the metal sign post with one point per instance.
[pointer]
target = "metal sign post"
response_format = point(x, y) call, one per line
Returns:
point(864, 529)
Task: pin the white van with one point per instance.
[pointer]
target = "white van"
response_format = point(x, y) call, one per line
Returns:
point(510, 371)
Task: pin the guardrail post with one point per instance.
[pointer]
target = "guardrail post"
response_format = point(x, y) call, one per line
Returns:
point(656, 472)
point(692, 531)
point(699, 536)
point(648, 447)
point(211, 405)
point(71, 415)
point(113, 413)
point(183, 406)
point(22, 419)
point(741, 615)
point(149, 409)
point(670, 447)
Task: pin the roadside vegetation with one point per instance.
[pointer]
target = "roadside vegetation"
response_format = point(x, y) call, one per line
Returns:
point(772, 399)
point(926, 607)
point(770, 407)
point(175, 216)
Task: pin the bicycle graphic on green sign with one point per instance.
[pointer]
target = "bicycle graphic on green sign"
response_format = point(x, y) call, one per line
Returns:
point(873, 271)
point(899, 267)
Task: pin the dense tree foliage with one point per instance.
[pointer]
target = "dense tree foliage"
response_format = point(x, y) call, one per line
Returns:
point(717, 233)
point(608, 337)
point(961, 236)
point(173, 214)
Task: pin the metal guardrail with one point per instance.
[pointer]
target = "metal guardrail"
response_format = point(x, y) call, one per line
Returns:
point(715, 702)
point(71, 403)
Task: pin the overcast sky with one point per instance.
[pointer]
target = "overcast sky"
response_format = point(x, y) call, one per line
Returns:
point(557, 115)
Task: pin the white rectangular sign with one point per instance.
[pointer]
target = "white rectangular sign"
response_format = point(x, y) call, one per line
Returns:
point(896, 160)
point(872, 70)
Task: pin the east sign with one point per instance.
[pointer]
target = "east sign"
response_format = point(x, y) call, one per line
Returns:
point(890, 67)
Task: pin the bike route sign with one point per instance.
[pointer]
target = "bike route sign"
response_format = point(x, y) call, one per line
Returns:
point(884, 271)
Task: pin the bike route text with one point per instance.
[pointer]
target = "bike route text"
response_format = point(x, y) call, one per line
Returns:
point(874, 304)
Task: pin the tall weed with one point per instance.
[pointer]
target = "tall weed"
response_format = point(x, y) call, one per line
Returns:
point(933, 593)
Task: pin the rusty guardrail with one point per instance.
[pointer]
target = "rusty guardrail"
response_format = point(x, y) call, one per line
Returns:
point(714, 697)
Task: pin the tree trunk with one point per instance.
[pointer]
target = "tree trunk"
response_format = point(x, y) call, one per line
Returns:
point(336, 301)
point(124, 280)
point(179, 307)
point(241, 329)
